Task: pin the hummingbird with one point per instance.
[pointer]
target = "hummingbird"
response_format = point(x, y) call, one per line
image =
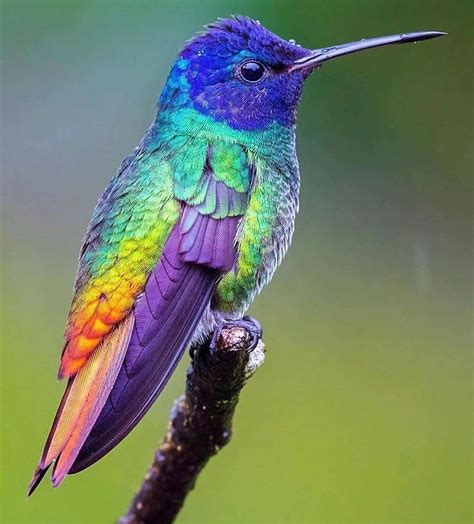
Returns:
point(188, 231)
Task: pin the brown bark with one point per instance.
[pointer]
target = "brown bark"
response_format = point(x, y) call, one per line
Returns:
point(200, 422)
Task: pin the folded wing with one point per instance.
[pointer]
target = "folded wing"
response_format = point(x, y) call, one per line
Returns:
point(166, 316)
point(125, 373)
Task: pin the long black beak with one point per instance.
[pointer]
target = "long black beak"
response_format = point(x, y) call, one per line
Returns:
point(319, 56)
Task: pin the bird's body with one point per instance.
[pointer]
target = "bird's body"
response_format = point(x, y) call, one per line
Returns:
point(189, 230)
point(253, 179)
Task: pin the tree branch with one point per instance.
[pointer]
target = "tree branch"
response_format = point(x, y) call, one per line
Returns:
point(201, 420)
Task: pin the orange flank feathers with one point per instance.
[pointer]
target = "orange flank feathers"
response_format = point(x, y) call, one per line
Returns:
point(87, 328)
point(83, 400)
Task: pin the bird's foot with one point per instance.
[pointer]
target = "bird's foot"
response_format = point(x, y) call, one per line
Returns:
point(249, 324)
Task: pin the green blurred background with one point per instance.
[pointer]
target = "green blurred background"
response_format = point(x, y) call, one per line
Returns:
point(362, 412)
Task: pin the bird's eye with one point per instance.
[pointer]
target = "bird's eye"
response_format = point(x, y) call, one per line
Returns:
point(251, 71)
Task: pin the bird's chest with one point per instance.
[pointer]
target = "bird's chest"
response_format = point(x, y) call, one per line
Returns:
point(264, 237)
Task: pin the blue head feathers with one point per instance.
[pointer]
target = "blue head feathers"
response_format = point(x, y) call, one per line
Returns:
point(237, 72)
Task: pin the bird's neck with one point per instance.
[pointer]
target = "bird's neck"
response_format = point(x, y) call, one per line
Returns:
point(275, 141)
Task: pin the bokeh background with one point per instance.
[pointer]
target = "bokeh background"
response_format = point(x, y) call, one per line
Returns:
point(362, 412)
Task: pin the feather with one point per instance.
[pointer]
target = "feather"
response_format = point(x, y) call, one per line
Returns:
point(117, 381)
point(85, 396)
point(165, 322)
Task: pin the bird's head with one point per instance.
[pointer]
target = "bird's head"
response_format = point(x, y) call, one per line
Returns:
point(239, 73)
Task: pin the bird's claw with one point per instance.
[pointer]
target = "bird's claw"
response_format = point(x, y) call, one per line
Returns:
point(249, 324)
